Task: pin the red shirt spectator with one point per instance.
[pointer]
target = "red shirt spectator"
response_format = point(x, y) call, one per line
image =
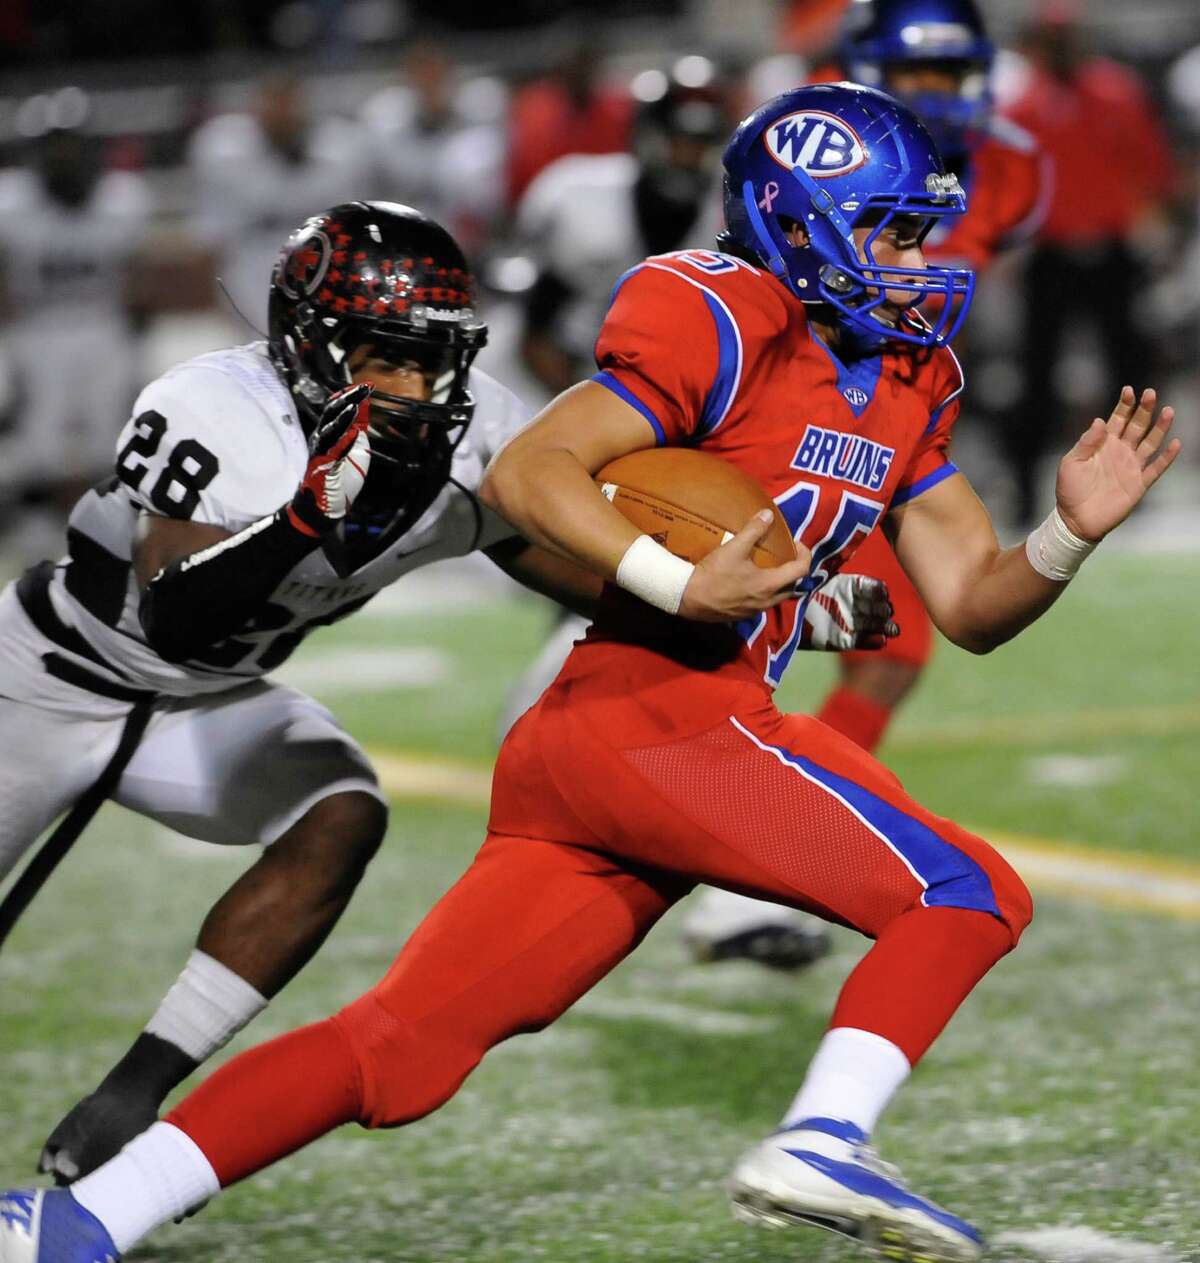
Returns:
point(1093, 119)
point(564, 113)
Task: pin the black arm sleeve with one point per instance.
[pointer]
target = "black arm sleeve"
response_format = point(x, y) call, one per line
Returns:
point(212, 594)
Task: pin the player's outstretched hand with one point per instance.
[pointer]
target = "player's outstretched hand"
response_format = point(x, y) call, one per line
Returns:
point(1102, 478)
point(728, 584)
point(340, 455)
point(849, 611)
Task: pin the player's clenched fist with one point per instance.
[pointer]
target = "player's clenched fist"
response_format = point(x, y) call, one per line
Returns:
point(728, 585)
point(849, 611)
point(338, 464)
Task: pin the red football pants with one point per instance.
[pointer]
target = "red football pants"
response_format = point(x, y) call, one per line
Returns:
point(588, 846)
point(590, 842)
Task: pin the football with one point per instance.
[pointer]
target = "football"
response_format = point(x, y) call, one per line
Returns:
point(692, 502)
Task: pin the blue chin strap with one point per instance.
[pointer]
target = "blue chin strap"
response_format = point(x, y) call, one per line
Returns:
point(856, 289)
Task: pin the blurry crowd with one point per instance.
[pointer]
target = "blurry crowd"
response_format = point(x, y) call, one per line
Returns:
point(114, 265)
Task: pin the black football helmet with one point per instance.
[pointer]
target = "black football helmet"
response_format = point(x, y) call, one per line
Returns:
point(383, 274)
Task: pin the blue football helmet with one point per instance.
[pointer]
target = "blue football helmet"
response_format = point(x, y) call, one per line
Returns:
point(829, 157)
point(880, 34)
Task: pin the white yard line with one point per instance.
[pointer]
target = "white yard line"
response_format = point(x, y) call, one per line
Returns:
point(1114, 878)
point(1083, 1245)
point(681, 1017)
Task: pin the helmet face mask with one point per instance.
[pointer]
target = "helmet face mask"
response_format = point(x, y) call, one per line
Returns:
point(381, 276)
point(832, 158)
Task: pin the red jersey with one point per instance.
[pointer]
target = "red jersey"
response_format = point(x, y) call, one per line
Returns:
point(1007, 182)
point(716, 353)
point(1111, 155)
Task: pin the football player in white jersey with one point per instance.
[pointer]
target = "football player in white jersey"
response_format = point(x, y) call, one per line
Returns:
point(588, 217)
point(260, 492)
point(258, 173)
point(68, 233)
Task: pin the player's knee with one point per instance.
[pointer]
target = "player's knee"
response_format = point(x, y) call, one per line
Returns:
point(1014, 903)
point(341, 833)
point(406, 1069)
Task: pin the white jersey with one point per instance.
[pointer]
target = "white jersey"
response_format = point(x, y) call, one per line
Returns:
point(218, 440)
point(64, 262)
point(67, 339)
point(249, 198)
point(579, 220)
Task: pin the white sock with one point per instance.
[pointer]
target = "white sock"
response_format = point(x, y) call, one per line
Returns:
point(205, 1008)
point(157, 1177)
point(852, 1078)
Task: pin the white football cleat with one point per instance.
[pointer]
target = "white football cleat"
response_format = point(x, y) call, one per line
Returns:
point(40, 1225)
point(822, 1172)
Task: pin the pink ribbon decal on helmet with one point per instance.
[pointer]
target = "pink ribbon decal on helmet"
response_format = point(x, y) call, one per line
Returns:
point(770, 193)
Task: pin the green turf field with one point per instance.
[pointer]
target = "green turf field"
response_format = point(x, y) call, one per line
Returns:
point(1059, 1111)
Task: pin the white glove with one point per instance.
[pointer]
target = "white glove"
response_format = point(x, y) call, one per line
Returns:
point(849, 611)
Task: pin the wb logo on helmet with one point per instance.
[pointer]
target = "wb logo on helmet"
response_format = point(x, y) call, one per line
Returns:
point(820, 144)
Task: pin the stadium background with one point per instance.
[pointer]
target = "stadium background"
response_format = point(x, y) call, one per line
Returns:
point(1058, 1111)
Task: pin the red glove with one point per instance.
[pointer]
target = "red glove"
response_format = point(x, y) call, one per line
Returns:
point(337, 467)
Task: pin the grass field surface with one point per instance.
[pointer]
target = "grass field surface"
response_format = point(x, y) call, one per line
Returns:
point(1058, 1111)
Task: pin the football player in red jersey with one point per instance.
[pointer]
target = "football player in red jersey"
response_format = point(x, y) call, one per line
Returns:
point(935, 55)
point(657, 758)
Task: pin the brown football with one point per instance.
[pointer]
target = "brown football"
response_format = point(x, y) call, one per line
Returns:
point(691, 502)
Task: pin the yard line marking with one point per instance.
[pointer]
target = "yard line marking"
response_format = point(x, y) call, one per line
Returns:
point(367, 669)
point(1116, 879)
point(1168, 720)
point(1112, 878)
point(1084, 1245)
point(681, 1017)
point(447, 780)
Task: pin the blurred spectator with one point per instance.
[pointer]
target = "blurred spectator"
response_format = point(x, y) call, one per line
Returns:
point(589, 217)
point(1113, 177)
point(810, 27)
point(440, 143)
point(69, 231)
point(569, 111)
point(257, 175)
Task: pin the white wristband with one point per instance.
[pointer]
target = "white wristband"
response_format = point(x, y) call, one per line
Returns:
point(659, 577)
point(1054, 550)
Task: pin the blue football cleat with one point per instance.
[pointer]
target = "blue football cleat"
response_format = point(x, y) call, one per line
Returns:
point(822, 1172)
point(39, 1225)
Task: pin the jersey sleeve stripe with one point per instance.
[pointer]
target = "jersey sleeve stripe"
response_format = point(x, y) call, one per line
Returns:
point(949, 877)
point(729, 366)
point(729, 355)
point(605, 378)
point(936, 415)
point(905, 494)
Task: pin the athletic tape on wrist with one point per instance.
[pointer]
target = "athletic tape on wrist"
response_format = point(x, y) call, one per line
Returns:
point(659, 577)
point(205, 1008)
point(1054, 550)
